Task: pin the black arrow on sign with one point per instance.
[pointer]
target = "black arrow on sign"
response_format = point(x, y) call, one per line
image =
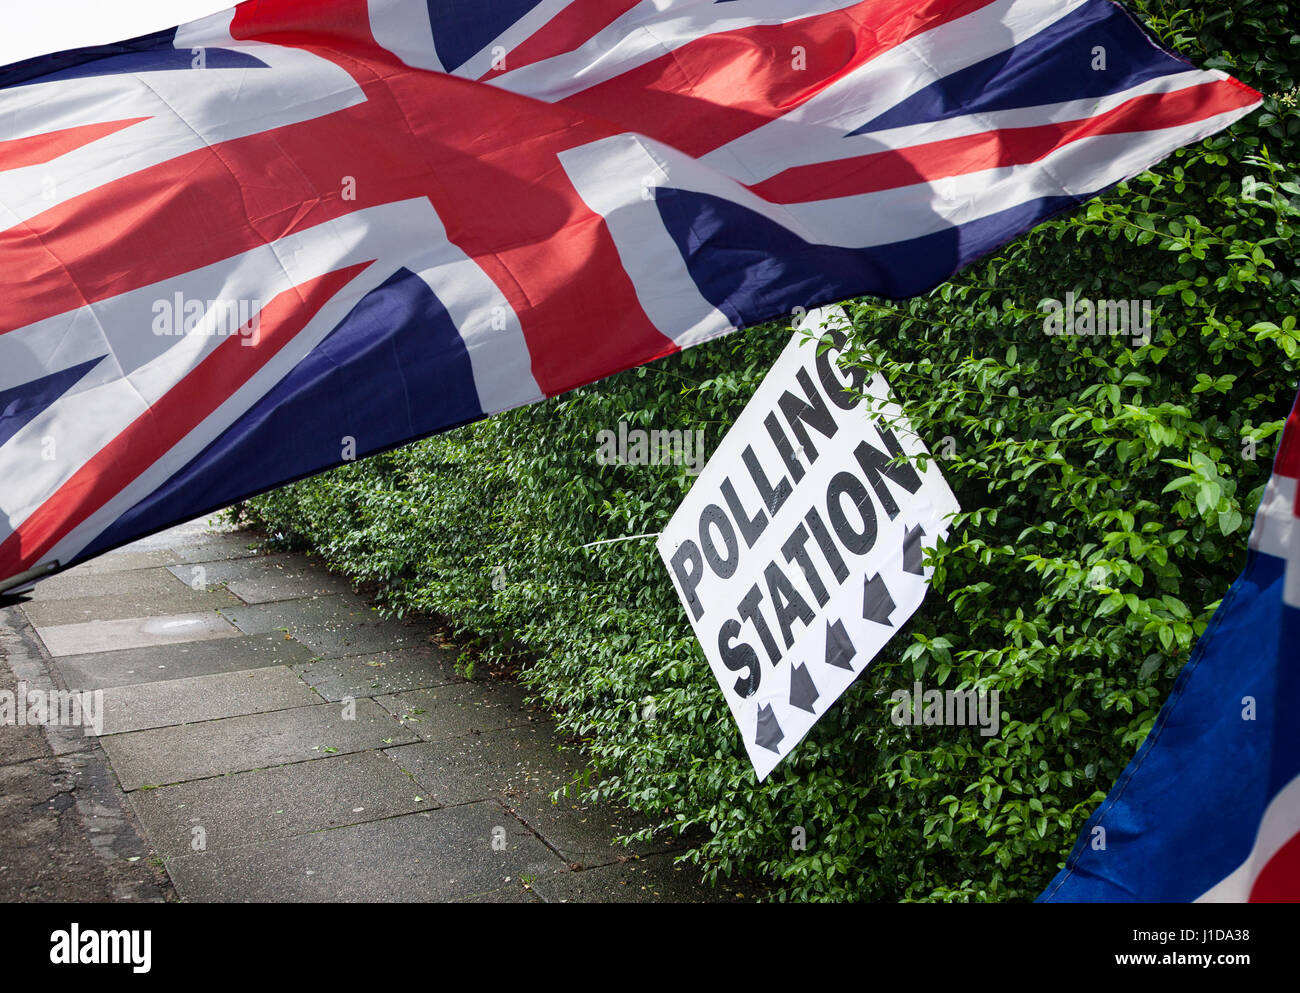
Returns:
point(839, 649)
point(803, 692)
point(769, 731)
point(913, 555)
point(877, 604)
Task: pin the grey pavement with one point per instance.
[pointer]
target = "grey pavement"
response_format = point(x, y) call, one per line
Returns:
point(265, 735)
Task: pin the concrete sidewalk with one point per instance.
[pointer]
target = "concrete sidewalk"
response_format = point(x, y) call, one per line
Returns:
point(271, 738)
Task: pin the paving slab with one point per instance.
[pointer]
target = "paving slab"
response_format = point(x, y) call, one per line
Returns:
point(505, 763)
point(288, 586)
point(78, 583)
point(220, 572)
point(457, 709)
point(265, 578)
point(582, 833)
point(331, 626)
point(252, 807)
point(379, 673)
point(652, 880)
point(128, 603)
point(127, 559)
point(235, 744)
point(334, 611)
point(203, 539)
point(100, 670)
point(199, 529)
point(438, 855)
point(339, 640)
point(217, 548)
point(204, 698)
point(134, 632)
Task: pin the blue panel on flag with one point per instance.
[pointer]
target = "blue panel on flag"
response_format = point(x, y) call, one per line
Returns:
point(463, 28)
point(158, 60)
point(753, 269)
point(19, 405)
point(148, 53)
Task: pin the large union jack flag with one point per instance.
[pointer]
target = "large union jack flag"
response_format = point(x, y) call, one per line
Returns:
point(235, 253)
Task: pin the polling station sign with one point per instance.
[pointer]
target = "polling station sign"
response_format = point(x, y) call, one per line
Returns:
point(799, 550)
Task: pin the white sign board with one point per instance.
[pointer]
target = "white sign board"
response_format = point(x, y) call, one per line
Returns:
point(798, 551)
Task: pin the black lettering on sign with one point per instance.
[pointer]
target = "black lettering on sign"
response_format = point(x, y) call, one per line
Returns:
point(713, 518)
point(773, 497)
point(739, 656)
point(857, 541)
point(827, 544)
point(845, 396)
point(688, 567)
point(748, 610)
point(784, 447)
point(810, 412)
point(876, 467)
point(795, 549)
point(786, 601)
point(750, 527)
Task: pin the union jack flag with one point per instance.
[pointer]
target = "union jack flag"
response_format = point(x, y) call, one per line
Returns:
point(238, 252)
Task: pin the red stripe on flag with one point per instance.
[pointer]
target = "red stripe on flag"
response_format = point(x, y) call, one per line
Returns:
point(1279, 880)
point(994, 149)
point(155, 432)
point(571, 28)
point(714, 89)
point(39, 149)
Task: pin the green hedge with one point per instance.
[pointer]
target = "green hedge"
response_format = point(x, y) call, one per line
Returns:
point(1108, 489)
